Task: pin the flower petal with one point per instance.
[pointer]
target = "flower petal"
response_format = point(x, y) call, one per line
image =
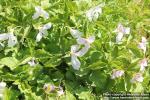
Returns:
point(32, 62)
point(12, 40)
point(45, 14)
point(3, 36)
point(137, 78)
point(75, 33)
point(91, 39)
point(75, 62)
point(93, 13)
point(119, 37)
point(143, 64)
point(40, 12)
point(83, 51)
point(39, 37)
point(144, 40)
point(81, 41)
point(2, 85)
point(74, 48)
point(38, 8)
point(117, 73)
point(47, 26)
point(142, 46)
point(36, 15)
point(127, 30)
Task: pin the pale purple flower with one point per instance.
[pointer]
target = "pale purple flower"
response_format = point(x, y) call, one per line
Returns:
point(12, 39)
point(32, 62)
point(3, 36)
point(121, 31)
point(48, 88)
point(93, 13)
point(40, 12)
point(74, 60)
point(86, 42)
point(75, 33)
point(144, 40)
point(143, 64)
point(43, 31)
point(117, 73)
point(60, 92)
point(137, 78)
point(142, 44)
point(83, 50)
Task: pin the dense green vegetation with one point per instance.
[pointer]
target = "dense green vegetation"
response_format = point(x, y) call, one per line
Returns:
point(73, 49)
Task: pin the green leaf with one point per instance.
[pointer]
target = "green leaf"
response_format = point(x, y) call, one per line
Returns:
point(84, 94)
point(11, 62)
point(69, 96)
point(98, 79)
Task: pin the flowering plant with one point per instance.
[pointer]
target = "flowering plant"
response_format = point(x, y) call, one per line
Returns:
point(73, 49)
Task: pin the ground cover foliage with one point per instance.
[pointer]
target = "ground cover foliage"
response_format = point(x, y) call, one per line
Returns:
point(36, 38)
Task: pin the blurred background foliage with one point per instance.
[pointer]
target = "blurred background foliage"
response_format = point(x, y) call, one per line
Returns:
point(52, 52)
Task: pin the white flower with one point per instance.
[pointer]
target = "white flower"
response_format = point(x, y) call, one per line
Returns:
point(60, 91)
point(43, 31)
point(121, 31)
point(2, 88)
point(3, 36)
point(48, 88)
point(137, 78)
point(142, 44)
point(117, 73)
point(12, 40)
point(83, 51)
point(144, 40)
point(2, 85)
point(32, 62)
point(40, 12)
point(75, 33)
point(75, 52)
point(119, 37)
point(143, 64)
point(93, 13)
point(86, 42)
point(74, 60)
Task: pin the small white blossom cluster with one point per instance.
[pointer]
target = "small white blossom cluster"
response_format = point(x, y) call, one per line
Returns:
point(12, 39)
point(43, 29)
point(117, 73)
point(143, 63)
point(75, 49)
point(32, 62)
point(50, 88)
point(121, 31)
point(142, 44)
point(2, 88)
point(93, 13)
point(40, 12)
point(137, 78)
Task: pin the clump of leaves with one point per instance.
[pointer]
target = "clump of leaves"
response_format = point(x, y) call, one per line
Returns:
point(39, 53)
